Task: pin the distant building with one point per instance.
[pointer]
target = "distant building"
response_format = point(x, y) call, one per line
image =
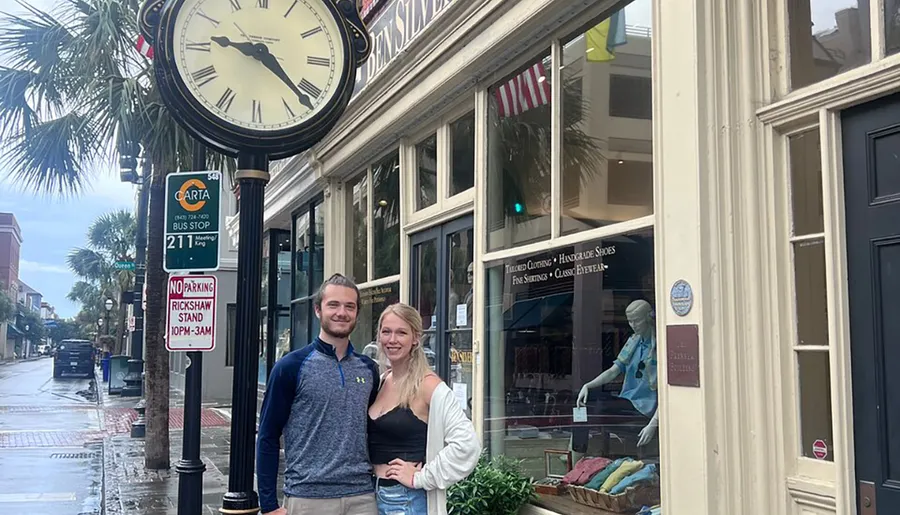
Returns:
point(10, 244)
point(29, 297)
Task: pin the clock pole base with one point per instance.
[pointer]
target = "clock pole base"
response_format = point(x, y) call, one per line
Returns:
point(240, 503)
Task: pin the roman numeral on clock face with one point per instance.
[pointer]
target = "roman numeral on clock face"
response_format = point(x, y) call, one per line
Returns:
point(225, 100)
point(318, 61)
point(200, 47)
point(311, 32)
point(263, 4)
point(287, 108)
point(257, 111)
point(235, 5)
point(211, 20)
point(204, 76)
point(309, 88)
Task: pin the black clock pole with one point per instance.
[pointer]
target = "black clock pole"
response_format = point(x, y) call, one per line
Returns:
point(252, 176)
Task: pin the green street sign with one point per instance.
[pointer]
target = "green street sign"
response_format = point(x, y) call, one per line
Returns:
point(192, 222)
point(124, 265)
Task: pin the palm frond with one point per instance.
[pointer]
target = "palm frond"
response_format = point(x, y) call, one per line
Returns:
point(114, 234)
point(89, 264)
point(55, 156)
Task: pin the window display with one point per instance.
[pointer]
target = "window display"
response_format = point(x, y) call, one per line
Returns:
point(372, 302)
point(571, 372)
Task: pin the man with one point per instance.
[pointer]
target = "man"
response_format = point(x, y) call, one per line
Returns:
point(318, 398)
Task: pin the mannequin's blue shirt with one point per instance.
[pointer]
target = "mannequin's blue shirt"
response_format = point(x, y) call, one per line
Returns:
point(641, 391)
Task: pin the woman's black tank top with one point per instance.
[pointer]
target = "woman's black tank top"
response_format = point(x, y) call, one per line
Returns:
point(399, 433)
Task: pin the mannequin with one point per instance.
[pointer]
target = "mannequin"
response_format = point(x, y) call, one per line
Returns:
point(638, 361)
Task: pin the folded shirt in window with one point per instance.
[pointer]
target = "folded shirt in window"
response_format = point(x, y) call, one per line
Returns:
point(603, 475)
point(584, 470)
point(624, 470)
point(646, 474)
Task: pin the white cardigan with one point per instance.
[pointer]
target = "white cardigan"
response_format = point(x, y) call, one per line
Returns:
point(452, 449)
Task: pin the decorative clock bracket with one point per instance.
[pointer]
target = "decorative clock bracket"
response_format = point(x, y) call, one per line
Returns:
point(148, 19)
point(362, 44)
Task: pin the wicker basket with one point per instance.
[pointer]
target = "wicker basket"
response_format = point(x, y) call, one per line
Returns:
point(629, 501)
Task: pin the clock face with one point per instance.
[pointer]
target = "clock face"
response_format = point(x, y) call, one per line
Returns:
point(264, 65)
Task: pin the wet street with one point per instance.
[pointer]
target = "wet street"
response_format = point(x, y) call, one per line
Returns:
point(50, 442)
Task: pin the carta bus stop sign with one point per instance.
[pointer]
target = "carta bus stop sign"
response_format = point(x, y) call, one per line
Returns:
point(192, 222)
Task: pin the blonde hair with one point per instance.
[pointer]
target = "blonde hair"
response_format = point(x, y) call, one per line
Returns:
point(408, 386)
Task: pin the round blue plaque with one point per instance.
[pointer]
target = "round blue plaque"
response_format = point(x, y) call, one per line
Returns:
point(681, 297)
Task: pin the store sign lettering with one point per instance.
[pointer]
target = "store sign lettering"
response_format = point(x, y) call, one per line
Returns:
point(375, 295)
point(397, 26)
point(564, 265)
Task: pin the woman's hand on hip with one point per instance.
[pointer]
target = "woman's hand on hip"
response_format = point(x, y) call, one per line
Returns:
point(403, 471)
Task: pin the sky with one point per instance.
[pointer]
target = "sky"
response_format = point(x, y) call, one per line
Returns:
point(51, 227)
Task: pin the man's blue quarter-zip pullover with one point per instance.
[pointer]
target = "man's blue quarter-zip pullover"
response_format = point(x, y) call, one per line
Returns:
point(320, 405)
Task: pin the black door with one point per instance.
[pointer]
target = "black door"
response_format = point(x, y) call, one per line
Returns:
point(441, 278)
point(871, 143)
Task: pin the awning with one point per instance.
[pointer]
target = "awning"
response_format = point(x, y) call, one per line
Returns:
point(13, 332)
point(537, 312)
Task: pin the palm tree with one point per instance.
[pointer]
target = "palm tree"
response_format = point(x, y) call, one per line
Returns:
point(7, 306)
point(73, 92)
point(110, 239)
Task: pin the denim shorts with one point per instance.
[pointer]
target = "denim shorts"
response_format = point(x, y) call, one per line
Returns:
point(400, 500)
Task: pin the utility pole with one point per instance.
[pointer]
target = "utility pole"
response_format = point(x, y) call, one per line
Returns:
point(135, 377)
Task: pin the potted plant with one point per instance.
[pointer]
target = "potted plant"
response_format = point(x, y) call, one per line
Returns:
point(496, 487)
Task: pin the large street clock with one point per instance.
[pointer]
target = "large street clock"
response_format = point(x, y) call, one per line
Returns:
point(262, 77)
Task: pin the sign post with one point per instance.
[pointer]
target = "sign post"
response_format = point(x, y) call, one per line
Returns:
point(191, 241)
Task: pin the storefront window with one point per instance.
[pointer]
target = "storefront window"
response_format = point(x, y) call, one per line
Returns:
point(426, 175)
point(828, 38)
point(276, 297)
point(373, 301)
point(810, 295)
point(462, 154)
point(386, 216)
point(518, 168)
point(357, 229)
point(607, 158)
point(891, 15)
point(575, 319)
point(309, 249)
point(382, 221)
point(302, 255)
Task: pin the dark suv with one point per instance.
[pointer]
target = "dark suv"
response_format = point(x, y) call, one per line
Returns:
point(74, 357)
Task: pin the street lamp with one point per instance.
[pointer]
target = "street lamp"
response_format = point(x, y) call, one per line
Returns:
point(109, 305)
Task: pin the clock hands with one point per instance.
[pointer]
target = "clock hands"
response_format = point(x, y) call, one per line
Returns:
point(260, 52)
point(268, 60)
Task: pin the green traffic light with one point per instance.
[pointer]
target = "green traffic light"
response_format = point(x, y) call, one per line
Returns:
point(519, 208)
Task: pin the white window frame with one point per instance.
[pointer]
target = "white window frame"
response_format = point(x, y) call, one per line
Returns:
point(787, 113)
point(446, 207)
point(371, 281)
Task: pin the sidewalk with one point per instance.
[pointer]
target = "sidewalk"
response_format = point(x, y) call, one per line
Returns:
point(131, 489)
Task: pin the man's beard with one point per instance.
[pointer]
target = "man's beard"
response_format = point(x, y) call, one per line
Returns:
point(331, 331)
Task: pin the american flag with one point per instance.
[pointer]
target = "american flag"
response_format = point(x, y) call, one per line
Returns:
point(144, 47)
point(525, 91)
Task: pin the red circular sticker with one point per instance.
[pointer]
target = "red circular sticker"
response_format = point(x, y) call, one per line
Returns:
point(820, 450)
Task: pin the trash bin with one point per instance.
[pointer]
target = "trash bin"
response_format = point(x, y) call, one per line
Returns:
point(104, 364)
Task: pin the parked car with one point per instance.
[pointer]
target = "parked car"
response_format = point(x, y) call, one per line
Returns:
point(74, 357)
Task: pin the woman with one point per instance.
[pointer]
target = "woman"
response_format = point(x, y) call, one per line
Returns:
point(420, 441)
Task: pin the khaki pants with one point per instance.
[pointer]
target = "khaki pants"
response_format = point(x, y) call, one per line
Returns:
point(356, 505)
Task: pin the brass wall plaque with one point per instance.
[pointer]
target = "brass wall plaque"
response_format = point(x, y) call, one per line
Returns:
point(683, 355)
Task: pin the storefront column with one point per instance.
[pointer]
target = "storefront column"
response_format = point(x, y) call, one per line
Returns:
point(334, 205)
point(714, 205)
